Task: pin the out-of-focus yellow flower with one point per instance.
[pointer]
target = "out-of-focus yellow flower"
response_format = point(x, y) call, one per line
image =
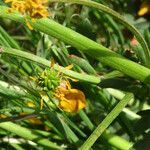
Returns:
point(145, 8)
point(33, 120)
point(2, 116)
point(70, 100)
point(33, 8)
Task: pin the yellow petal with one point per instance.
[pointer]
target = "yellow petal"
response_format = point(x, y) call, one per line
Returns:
point(35, 121)
point(53, 62)
point(72, 101)
point(44, 97)
point(8, 1)
point(69, 67)
point(29, 25)
point(145, 8)
point(42, 104)
point(30, 104)
point(32, 8)
point(143, 11)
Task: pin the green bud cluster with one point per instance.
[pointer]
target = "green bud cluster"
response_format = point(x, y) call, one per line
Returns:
point(49, 79)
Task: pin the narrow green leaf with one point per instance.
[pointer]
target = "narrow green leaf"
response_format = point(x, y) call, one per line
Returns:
point(28, 134)
point(69, 133)
point(106, 122)
point(9, 39)
point(83, 64)
point(73, 125)
point(86, 119)
point(16, 146)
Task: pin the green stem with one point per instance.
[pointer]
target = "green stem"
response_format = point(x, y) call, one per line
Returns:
point(106, 122)
point(85, 45)
point(118, 17)
point(44, 62)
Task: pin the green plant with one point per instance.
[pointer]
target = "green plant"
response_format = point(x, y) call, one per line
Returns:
point(105, 67)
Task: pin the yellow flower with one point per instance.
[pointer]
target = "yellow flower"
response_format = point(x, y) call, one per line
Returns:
point(70, 100)
point(54, 85)
point(145, 8)
point(33, 8)
point(2, 116)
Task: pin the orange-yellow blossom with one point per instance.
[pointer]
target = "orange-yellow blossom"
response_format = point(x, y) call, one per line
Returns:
point(70, 100)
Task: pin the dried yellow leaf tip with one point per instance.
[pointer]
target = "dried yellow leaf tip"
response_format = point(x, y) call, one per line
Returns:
point(32, 8)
